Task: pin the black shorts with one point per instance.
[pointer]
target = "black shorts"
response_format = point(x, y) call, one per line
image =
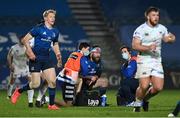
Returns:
point(40, 65)
point(68, 91)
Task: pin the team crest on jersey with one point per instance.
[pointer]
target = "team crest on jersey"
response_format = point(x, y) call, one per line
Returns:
point(160, 32)
point(44, 33)
point(146, 34)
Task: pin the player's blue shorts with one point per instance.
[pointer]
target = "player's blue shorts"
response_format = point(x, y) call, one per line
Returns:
point(40, 65)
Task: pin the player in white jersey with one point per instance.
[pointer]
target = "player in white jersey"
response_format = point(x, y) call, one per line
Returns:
point(18, 65)
point(147, 39)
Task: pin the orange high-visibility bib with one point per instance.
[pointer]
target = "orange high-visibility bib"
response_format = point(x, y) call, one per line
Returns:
point(72, 66)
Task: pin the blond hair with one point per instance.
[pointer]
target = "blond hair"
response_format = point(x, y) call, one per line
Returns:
point(45, 14)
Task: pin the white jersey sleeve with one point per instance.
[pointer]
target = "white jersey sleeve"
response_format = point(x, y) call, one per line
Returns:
point(165, 31)
point(11, 51)
point(138, 33)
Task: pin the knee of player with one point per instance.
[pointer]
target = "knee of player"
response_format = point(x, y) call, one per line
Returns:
point(36, 85)
point(104, 83)
point(52, 84)
point(158, 88)
point(144, 87)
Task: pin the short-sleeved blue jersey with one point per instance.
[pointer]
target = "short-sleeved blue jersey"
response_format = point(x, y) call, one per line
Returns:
point(44, 37)
point(89, 68)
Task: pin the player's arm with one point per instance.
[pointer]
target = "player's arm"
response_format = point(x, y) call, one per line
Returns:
point(29, 51)
point(57, 53)
point(128, 71)
point(169, 38)
point(84, 71)
point(136, 45)
point(9, 60)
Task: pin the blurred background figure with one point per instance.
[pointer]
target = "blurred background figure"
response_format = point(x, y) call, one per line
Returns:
point(19, 68)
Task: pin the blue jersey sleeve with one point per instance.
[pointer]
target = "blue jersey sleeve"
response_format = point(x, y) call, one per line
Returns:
point(34, 31)
point(57, 36)
point(84, 67)
point(129, 70)
point(99, 70)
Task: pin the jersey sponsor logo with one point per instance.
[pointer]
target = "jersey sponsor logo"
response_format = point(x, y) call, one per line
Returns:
point(47, 40)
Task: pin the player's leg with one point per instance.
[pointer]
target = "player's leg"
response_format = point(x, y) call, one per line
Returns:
point(157, 86)
point(35, 82)
point(68, 92)
point(141, 92)
point(30, 93)
point(102, 83)
point(10, 85)
point(51, 79)
point(130, 86)
point(144, 74)
point(157, 81)
point(175, 111)
point(41, 92)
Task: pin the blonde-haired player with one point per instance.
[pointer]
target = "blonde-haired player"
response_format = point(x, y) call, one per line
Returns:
point(39, 55)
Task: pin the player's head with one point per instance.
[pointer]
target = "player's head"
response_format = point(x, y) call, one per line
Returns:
point(49, 16)
point(125, 52)
point(152, 15)
point(84, 48)
point(95, 53)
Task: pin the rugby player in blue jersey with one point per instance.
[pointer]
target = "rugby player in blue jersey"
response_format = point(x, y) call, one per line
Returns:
point(91, 70)
point(44, 35)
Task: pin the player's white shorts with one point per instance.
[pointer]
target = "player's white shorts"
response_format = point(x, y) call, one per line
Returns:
point(21, 72)
point(149, 69)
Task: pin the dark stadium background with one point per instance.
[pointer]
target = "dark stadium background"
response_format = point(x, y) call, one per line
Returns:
point(108, 23)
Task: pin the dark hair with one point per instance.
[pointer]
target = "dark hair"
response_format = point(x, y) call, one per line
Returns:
point(150, 9)
point(83, 45)
point(128, 48)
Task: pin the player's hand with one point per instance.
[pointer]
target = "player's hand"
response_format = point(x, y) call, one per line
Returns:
point(171, 38)
point(93, 79)
point(152, 47)
point(59, 60)
point(30, 55)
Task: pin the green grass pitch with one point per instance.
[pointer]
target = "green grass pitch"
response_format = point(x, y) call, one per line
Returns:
point(160, 106)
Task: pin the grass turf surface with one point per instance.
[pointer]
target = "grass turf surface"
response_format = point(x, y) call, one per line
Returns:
point(160, 106)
